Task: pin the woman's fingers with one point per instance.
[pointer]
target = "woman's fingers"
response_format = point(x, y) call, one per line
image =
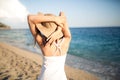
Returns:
point(55, 34)
point(51, 40)
point(62, 17)
point(62, 14)
point(49, 37)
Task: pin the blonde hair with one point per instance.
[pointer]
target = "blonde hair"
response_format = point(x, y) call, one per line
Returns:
point(49, 25)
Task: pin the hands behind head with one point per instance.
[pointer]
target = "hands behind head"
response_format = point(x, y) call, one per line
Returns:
point(54, 36)
point(60, 21)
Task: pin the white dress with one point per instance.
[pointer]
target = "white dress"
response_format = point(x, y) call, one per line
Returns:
point(53, 67)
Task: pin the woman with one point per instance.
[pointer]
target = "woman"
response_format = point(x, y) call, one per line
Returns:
point(54, 47)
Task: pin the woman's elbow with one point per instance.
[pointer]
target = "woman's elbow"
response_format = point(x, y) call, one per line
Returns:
point(69, 37)
point(29, 18)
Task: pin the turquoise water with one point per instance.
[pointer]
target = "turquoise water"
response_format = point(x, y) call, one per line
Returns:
point(99, 44)
point(96, 50)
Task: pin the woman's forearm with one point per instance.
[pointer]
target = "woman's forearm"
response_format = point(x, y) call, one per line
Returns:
point(31, 26)
point(66, 31)
point(41, 18)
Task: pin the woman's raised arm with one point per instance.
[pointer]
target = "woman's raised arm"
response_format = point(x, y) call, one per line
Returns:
point(65, 28)
point(43, 18)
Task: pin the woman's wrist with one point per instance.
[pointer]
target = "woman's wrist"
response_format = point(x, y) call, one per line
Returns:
point(59, 28)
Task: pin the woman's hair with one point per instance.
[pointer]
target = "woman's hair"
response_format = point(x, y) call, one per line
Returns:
point(51, 25)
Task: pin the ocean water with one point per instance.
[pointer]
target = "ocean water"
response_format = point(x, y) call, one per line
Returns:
point(96, 50)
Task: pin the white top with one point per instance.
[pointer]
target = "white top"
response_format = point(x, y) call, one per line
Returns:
point(53, 66)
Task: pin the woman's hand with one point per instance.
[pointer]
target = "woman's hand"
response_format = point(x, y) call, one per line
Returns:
point(54, 36)
point(61, 22)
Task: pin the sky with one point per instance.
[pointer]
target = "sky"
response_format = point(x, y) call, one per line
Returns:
point(80, 13)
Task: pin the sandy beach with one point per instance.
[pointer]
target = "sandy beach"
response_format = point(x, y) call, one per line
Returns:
point(19, 64)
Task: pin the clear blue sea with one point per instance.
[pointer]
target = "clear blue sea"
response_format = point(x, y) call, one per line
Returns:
point(96, 50)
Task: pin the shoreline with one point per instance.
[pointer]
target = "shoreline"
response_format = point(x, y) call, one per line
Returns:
point(21, 64)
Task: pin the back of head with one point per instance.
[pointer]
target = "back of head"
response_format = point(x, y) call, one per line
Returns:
point(50, 27)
